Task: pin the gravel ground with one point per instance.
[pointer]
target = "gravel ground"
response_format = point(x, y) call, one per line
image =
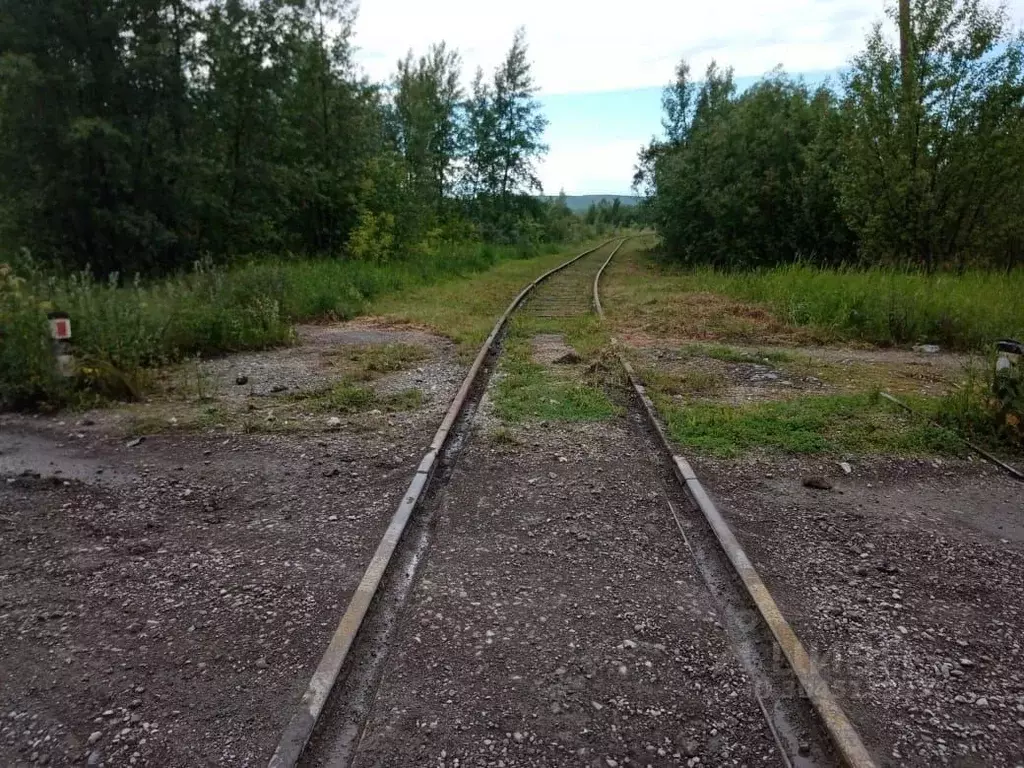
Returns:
point(164, 602)
point(308, 365)
point(560, 621)
point(906, 580)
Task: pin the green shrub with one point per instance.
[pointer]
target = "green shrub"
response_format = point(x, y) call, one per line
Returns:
point(988, 407)
point(28, 376)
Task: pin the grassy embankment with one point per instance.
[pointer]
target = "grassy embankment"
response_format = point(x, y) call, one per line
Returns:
point(774, 318)
point(121, 331)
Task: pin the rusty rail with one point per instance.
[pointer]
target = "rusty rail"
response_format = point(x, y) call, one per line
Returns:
point(840, 729)
point(300, 727)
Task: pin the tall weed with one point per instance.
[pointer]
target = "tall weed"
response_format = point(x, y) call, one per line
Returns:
point(123, 327)
point(967, 311)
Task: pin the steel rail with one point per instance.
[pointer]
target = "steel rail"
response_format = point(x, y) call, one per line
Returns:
point(307, 713)
point(840, 729)
point(1015, 473)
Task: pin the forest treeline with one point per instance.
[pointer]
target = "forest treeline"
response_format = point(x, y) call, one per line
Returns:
point(142, 136)
point(925, 170)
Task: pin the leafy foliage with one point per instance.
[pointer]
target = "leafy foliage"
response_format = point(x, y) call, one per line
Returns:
point(142, 137)
point(860, 172)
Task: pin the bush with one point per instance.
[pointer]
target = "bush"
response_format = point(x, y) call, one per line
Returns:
point(988, 407)
point(27, 369)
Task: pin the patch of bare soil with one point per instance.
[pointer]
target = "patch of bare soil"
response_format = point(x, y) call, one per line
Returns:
point(551, 349)
point(906, 581)
point(560, 621)
point(164, 602)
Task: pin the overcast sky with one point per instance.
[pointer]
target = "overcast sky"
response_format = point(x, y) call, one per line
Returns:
point(600, 65)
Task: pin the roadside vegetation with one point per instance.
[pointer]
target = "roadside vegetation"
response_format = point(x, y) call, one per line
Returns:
point(910, 161)
point(837, 425)
point(882, 207)
point(223, 169)
point(699, 337)
point(880, 305)
point(121, 330)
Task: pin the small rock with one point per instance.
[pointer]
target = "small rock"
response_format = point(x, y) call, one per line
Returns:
point(805, 748)
point(982, 702)
point(94, 758)
point(845, 467)
point(94, 737)
point(519, 738)
point(137, 441)
point(818, 483)
point(241, 380)
point(569, 358)
point(261, 663)
point(927, 349)
point(278, 388)
point(334, 422)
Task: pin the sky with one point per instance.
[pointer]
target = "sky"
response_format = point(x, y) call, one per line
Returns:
point(601, 65)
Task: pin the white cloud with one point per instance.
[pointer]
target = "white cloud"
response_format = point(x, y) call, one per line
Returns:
point(598, 45)
point(589, 166)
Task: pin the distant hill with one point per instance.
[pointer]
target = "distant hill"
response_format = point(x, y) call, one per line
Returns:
point(580, 203)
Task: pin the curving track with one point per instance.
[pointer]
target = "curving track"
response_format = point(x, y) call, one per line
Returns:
point(328, 723)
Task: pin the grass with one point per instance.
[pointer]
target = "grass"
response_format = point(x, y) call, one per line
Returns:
point(503, 436)
point(346, 396)
point(838, 424)
point(124, 328)
point(465, 309)
point(886, 306)
point(799, 303)
point(688, 383)
point(372, 360)
point(528, 390)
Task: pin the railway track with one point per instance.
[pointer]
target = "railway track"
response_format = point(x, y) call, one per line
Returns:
point(807, 724)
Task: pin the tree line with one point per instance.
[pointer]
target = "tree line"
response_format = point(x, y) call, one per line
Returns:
point(614, 214)
point(141, 136)
point(911, 160)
